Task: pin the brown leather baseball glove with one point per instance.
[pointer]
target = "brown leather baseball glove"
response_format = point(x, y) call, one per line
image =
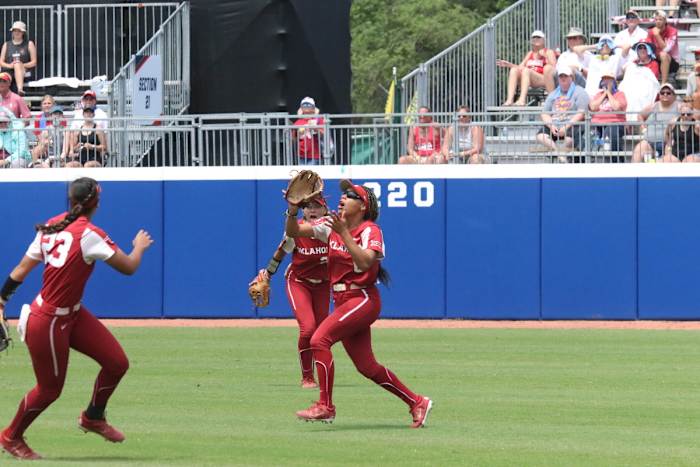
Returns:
point(303, 187)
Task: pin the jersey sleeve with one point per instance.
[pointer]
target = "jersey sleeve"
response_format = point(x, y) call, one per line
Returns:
point(321, 231)
point(372, 238)
point(34, 250)
point(96, 245)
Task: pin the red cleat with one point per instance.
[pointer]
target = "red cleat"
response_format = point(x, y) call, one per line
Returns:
point(18, 448)
point(309, 383)
point(420, 412)
point(101, 427)
point(318, 412)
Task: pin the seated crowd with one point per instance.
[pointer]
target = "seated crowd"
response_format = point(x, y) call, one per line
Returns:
point(623, 83)
point(49, 139)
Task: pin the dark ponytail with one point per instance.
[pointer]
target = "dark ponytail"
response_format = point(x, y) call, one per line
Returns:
point(83, 195)
point(372, 214)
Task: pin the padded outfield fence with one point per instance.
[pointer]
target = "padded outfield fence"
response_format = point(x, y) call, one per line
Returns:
point(591, 241)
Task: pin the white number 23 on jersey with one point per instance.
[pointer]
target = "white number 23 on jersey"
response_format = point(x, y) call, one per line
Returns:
point(56, 248)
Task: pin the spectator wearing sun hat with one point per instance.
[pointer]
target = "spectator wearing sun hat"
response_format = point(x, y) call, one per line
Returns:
point(605, 60)
point(308, 133)
point(607, 122)
point(89, 99)
point(11, 101)
point(576, 56)
point(19, 57)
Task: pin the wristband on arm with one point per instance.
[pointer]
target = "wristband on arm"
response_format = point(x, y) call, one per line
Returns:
point(8, 289)
point(272, 266)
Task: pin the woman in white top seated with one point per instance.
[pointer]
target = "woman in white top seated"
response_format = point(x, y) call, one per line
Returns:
point(464, 141)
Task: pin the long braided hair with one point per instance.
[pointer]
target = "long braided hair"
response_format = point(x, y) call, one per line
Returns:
point(83, 194)
point(372, 214)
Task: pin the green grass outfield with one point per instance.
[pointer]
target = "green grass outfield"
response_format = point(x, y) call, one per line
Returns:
point(511, 397)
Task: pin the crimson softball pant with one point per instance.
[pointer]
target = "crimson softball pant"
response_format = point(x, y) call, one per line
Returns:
point(355, 311)
point(310, 304)
point(49, 339)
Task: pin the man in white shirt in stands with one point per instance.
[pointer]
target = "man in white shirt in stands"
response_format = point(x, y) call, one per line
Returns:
point(576, 57)
point(89, 99)
point(630, 35)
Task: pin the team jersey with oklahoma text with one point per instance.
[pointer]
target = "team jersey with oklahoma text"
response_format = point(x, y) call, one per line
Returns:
point(69, 257)
point(341, 267)
point(309, 257)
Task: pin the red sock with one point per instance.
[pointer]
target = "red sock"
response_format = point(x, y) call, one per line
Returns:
point(325, 369)
point(389, 381)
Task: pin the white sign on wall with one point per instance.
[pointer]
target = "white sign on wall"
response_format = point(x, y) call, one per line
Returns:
point(147, 87)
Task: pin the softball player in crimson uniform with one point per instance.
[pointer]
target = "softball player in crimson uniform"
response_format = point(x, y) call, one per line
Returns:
point(69, 245)
point(307, 285)
point(355, 246)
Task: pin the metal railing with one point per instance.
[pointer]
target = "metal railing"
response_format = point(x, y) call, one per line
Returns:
point(466, 72)
point(88, 40)
point(105, 37)
point(279, 139)
point(40, 21)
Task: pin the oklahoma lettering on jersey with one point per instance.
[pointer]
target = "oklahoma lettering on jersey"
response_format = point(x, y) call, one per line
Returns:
point(341, 267)
point(309, 257)
point(69, 257)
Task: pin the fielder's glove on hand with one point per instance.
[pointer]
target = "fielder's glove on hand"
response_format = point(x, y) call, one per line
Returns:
point(4, 331)
point(259, 289)
point(303, 187)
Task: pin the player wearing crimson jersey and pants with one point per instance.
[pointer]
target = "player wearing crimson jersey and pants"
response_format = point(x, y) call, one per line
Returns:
point(306, 285)
point(68, 245)
point(355, 246)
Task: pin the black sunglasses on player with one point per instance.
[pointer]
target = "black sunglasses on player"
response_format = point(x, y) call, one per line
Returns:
point(352, 195)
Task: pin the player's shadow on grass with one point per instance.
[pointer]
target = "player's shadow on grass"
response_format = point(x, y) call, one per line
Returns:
point(90, 460)
point(356, 427)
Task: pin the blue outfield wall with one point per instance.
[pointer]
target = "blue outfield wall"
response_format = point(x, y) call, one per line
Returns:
point(498, 242)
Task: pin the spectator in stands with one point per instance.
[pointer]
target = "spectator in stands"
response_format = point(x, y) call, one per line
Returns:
point(607, 124)
point(564, 107)
point(632, 34)
point(665, 39)
point(657, 116)
point(605, 60)
point(641, 83)
point(14, 151)
point(18, 57)
point(576, 57)
point(424, 141)
point(89, 99)
point(10, 100)
point(683, 137)
point(673, 3)
point(53, 144)
point(464, 141)
point(309, 133)
point(44, 120)
point(692, 90)
point(536, 70)
point(88, 143)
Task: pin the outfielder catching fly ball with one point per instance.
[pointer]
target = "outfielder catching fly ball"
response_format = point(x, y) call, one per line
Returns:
point(355, 248)
point(308, 290)
point(69, 245)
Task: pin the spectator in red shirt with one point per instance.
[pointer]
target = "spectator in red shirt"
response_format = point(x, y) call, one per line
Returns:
point(424, 141)
point(665, 39)
point(10, 100)
point(308, 136)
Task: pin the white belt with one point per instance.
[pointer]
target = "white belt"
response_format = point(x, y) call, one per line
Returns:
point(60, 311)
point(340, 287)
point(311, 281)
